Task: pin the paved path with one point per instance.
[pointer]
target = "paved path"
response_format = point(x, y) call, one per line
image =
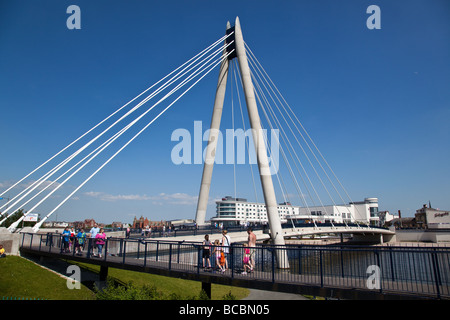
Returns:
point(60, 267)
point(272, 295)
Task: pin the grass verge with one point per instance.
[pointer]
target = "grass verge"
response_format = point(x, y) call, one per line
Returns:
point(23, 279)
point(169, 285)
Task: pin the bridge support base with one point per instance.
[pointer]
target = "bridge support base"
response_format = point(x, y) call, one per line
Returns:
point(103, 273)
point(206, 286)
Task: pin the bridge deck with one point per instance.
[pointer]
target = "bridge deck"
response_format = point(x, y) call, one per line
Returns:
point(314, 271)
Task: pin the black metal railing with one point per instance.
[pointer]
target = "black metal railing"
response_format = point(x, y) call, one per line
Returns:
point(422, 271)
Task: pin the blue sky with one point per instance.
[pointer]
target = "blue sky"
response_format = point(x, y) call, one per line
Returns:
point(376, 102)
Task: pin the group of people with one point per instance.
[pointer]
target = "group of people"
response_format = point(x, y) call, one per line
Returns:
point(221, 251)
point(72, 241)
point(220, 248)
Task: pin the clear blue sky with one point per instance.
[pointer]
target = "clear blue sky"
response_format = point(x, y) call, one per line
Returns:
point(376, 102)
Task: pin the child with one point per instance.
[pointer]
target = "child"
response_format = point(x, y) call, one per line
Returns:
point(222, 261)
point(246, 260)
point(219, 254)
point(72, 239)
point(79, 242)
point(2, 252)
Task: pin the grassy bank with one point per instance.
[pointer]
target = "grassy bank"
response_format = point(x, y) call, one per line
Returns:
point(23, 279)
point(168, 285)
point(20, 278)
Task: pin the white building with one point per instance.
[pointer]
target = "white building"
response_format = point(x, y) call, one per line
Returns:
point(237, 211)
point(431, 218)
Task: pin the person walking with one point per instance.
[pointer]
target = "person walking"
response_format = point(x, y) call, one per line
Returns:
point(72, 239)
point(100, 241)
point(206, 252)
point(65, 240)
point(94, 231)
point(218, 254)
point(251, 245)
point(226, 242)
point(80, 240)
point(246, 259)
point(92, 242)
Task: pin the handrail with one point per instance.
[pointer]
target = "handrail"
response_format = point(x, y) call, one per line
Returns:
point(411, 270)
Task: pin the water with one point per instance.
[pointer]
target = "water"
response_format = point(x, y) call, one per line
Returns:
point(395, 264)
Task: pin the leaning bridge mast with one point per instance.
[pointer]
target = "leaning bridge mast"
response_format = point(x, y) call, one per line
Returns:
point(258, 138)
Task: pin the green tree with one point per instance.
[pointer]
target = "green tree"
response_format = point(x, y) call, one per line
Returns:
point(16, 216)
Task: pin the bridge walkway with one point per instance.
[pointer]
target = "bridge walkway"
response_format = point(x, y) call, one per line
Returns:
point(338, 272)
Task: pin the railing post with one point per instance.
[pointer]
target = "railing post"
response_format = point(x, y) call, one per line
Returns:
point(139, 245)
point(40, 242)
point(321, 268)
point(51, 243)
point(262, 259)
point(231, 254)
point(377, 255)
point(392, 264)
point(124, 252)
point(106, 248)
point(273, 265)
point(145, 253)
point(436, 272)
point(88, 255)
point(299, 259)
point(157, 250)
point(199, 258)
point(170, 256)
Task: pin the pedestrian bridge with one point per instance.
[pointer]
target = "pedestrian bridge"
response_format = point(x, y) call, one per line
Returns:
point(361, 233)
point(348, 272)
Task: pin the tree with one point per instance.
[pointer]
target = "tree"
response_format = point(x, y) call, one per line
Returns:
point(16, 216)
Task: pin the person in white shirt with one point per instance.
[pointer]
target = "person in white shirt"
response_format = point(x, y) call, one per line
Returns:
point(226, 243)
point(94, 231)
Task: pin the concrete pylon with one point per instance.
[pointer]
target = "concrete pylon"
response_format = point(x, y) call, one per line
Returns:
point(203, 196)
point(261, 152)
point(258, 138)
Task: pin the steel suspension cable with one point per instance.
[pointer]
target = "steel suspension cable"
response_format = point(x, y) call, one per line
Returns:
point(290, 148)
point(309, 137)
point(37, 226)
point(172, 80)
point(101, 122)
point(132, 123)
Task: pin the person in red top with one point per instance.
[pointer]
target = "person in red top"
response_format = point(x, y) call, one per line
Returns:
point(100, 239)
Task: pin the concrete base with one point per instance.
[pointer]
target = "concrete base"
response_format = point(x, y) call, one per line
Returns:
point(10, 242)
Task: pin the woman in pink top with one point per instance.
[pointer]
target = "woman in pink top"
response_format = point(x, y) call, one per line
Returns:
point(247, 260)
point(100, 241)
